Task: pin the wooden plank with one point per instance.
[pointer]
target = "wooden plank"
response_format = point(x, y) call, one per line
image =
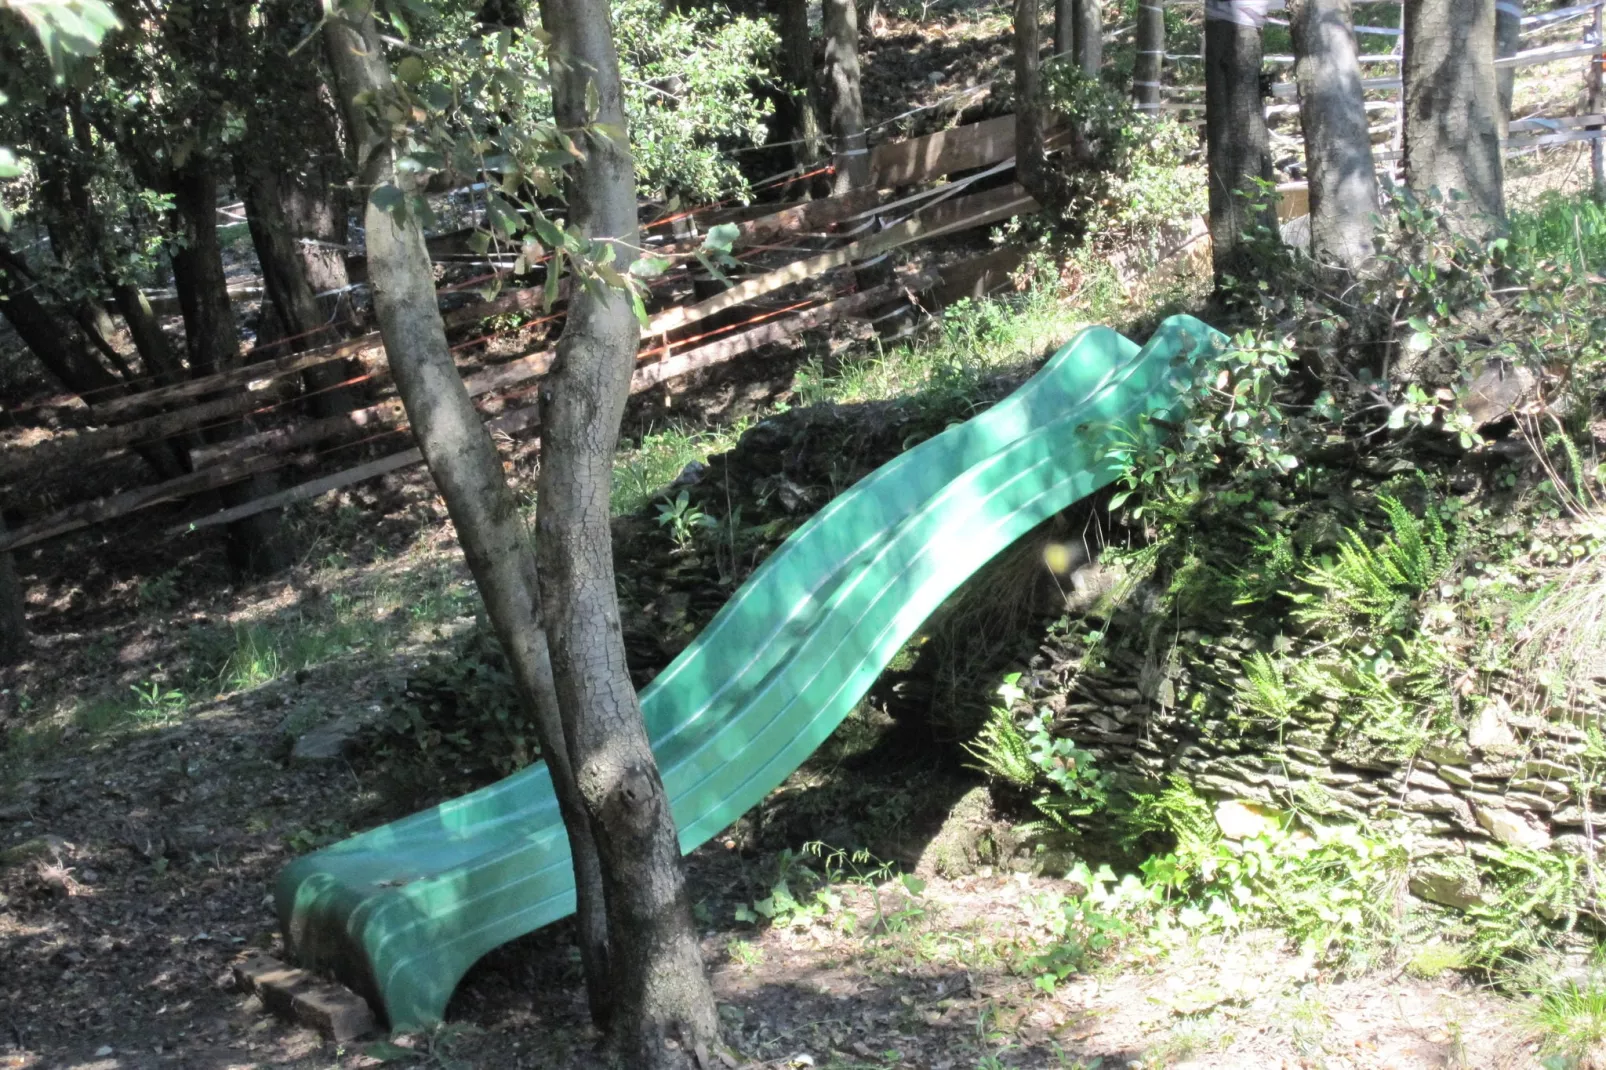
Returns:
point(364, 347)
point(899, 163)
point(1560, 122)
point(381, 414)
point(645, 378)
point(101, 510)
point(806, 217)
point(961, 213)
point(1548, 54)
point(1534, 141)
point(976, 277)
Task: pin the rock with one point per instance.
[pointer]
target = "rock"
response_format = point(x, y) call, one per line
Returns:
point(37, 849)
point(1459, 777)
point(1448, 881)
point(1445, 753)
point(337, 1013)
point(1496, 389)
point(1511, 829)
point(1243, 821)
point(1489, 731)
point(331, 742)
point(970, 837)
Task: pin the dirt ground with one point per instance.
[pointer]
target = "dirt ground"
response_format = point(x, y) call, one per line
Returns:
point(157, 850)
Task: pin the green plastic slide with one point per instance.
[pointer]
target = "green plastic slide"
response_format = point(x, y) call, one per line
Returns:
point(401, 912)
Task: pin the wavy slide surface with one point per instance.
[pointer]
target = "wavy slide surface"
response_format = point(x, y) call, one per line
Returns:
point(401, 912)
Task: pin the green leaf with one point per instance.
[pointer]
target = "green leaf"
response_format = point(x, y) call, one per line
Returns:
point(721, 237)
point(1420, 341)
point(387, 198)
point(554, 272)
point(913, 884)
point(10, 166)
point(650, 267)
point(411, 70)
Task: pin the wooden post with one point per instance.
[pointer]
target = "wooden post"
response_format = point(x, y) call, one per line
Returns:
point(1597, 151)
point(13, 629)
point(1147, 67)
point(1507, 42)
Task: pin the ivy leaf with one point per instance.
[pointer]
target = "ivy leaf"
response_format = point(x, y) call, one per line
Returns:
point(1419, 342)
point(10, 166)
point(721, 237)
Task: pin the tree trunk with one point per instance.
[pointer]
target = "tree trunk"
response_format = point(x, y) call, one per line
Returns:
point(1065, 29)
point(1089, 35)
point(1030, 164)
point(1452, 109)
point(1149, 63)
point(256, 545)
point(59, 344)
point(284, 276)
point(1338, 146)
point(1239, 145)
point(797, 74)
point(13, 608)
point(1508, 42)
point(852, 152)
point(463, 461)
point(146, 331)
point(661, 995)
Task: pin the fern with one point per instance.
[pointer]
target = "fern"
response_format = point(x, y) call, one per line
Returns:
point(1266, 692)
point(1379, 584)
point(1002, 752)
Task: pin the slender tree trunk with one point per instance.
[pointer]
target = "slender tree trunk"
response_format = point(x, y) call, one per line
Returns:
point(1149, 63)
point(256, 545)
point(463, 461)
point(13, 608)
point(661, 995)
point(1338, 145)
point(1030, 162)
point(852, 152)
point(1065, 29)
point(1239, 145)
point(1089, 35)
point(1508, 42)
point(1594, 99)
point(797, 73)
point(1452, 108)
point(147, 334)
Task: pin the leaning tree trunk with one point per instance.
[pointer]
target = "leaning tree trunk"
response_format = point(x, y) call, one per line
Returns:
point(852, 153)
point(797, 75)
point(1452, 109)
point(1089, 35)
point(1030, 157)
point(1239, 145)
point(1508, 42)
point(1338, 145)
point(13, 608)
point(461, 457)
point(1150, 60)
point(663, 1012)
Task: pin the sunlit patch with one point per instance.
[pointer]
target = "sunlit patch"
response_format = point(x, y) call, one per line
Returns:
point(1058, 557)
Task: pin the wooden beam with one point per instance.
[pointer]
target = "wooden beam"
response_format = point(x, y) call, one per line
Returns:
point(100, 510)
point(900, 163)
point(978, 276)
point(381, 414)
point(367, 346)
point(961, 213)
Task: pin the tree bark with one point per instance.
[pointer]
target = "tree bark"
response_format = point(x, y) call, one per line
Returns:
point(797, 73)
point(1149, 63)
point(851, 153)
point(256, 545)
point(1238, 144)
point(1089, 35)
point(660, 992)
point(13, 609)
point(1338, 145)
point(285, 277)
point(1508, 42)
point(1030, 162)
point(146, 331)
point(1452, 109)
point(462, 458)
point(59, 345)
point(1065, 29)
